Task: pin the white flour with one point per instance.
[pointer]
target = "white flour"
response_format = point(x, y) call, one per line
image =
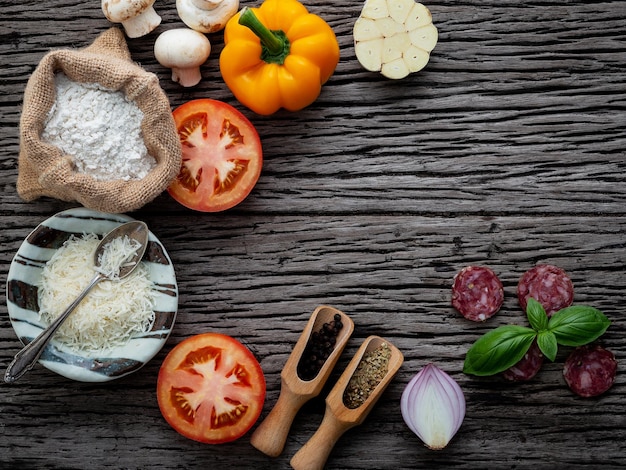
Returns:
point(100, 129)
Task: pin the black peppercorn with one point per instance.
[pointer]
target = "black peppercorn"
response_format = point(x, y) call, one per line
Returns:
point(319, 347)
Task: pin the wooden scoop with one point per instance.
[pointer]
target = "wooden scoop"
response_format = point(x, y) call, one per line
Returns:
point(338, 418)
point(271, 434)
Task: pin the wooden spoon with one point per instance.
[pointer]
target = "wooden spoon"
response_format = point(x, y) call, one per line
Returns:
point(271, 434)
point(338, 418)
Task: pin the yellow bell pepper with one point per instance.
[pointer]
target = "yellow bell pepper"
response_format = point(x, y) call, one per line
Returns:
point(277, 56)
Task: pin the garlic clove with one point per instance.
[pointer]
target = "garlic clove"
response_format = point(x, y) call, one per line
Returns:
point(415, 58)
point(375, 9)
point(370, 53)
point(433, 407)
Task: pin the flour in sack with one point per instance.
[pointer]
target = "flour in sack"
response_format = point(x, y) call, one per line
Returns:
point(100, 129)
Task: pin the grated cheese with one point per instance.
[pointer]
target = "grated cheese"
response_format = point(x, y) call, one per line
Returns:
point(115, 254)
point(112, 313)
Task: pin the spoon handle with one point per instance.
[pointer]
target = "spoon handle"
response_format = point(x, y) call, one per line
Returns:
point(271, 435)
point(28, 356)
point(313, 455)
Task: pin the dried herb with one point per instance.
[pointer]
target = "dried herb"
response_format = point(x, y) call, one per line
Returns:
point(371, 370)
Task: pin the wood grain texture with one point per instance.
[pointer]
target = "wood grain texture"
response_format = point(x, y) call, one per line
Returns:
point(507, 150)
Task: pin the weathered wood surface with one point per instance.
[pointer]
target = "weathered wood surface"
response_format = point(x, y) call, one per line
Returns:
point(507, 150)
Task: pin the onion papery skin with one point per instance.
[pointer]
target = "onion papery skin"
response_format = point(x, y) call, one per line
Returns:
point(433, 406)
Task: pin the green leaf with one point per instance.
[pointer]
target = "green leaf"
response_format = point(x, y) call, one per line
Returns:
point(498, 349)
point(578, 325)
point(536, 315)
point(547, 343)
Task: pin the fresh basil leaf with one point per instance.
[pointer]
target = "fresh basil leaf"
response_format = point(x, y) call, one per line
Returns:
point(578, 325)
point(536, 315)
point(547, 343)
point(498, 349)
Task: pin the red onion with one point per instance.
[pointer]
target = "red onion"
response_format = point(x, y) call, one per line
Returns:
point(433, 406)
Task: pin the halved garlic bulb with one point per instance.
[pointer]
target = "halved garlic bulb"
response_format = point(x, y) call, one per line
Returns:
point(394, 37)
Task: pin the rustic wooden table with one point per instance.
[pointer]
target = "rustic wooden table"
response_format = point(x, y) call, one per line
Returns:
point(506, 151)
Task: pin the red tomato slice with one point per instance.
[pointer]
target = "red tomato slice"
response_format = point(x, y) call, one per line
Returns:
point(211, 388)
point(222, 156)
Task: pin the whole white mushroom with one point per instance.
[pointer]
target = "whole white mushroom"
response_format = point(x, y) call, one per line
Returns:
point(183, 50)
point(137, 16)
point(206, 16)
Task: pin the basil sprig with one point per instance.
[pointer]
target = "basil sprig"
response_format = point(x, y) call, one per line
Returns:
point(499, 349)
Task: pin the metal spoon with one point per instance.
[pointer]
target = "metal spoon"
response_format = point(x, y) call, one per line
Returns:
point(28, 356)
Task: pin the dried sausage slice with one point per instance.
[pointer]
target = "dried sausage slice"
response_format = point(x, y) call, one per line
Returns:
point(590, 370)
point(547, 284)
point(477, 293)
point(527, 367)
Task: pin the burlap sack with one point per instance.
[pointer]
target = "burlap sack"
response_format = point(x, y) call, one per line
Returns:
point(44, 170)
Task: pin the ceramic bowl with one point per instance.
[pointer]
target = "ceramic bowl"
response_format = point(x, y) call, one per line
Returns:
point(22, 298)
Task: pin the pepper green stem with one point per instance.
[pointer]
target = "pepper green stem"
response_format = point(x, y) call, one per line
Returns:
point(275, 44)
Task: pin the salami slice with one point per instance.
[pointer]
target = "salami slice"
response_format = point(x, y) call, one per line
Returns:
point(547, 284)
point(590, 370)
point(477, 293)
point(527, 367)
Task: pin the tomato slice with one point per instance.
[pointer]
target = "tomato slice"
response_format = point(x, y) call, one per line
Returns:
point(222, 156)
point(211, 388)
